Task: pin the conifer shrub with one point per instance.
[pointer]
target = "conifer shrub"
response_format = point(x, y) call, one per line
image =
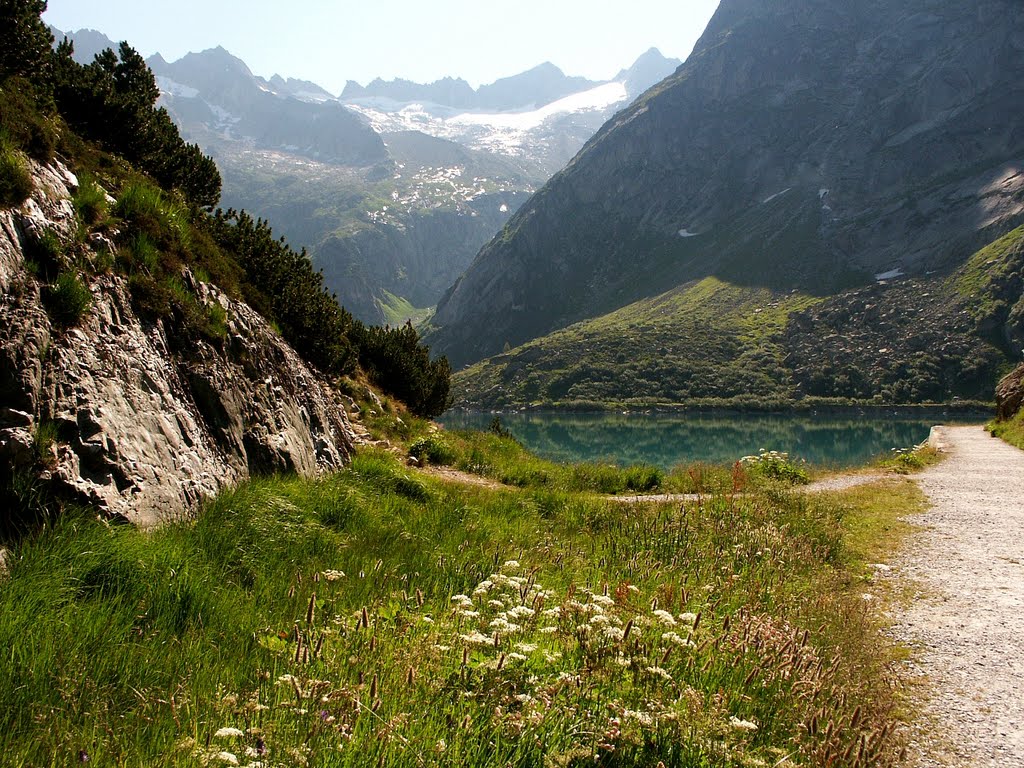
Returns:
point(27, 126)
point(396, 362)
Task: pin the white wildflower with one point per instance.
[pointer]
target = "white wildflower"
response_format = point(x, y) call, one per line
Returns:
point(469, 614)
point(515, 657)
point(521, 612)
point(225, 757)
point(664, 617)
point(552, 613)
point(496, 604)
point(476, 638)
point(427, 620)
point(504, 625)
point(663, 674)
point(333, 575)
point(672, 637)
point(227, 733)
point(526, 647)
point(510, 565)
point(548, 630)
point(552, 656)
point(688, 618)
point(463, 600)
point(614, 634)
point(633, 588)
point(600, 620)
point(603, 600)
point(742, 725)
point(644, 718)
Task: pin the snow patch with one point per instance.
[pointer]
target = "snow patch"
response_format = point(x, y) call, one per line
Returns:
point(172, 88)
point(598, 98)
point(890, 275)
point(777, 194)
point(510, 132)
point(687, 233)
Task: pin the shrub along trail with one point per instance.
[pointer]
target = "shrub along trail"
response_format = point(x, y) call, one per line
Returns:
point(967, 617)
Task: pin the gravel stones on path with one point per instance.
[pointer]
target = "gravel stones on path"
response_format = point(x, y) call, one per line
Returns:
point(966, 621)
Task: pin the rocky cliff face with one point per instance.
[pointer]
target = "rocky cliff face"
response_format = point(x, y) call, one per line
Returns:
point(1010, 394)
point(810, 144)
point(145, 421)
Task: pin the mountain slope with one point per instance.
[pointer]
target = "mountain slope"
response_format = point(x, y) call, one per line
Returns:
point(214, 93)
point(806, 145)
point(927, 339)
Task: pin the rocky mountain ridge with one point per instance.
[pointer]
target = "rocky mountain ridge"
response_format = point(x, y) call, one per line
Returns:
point(809, 146)
point(140, 422)
point(534, 88)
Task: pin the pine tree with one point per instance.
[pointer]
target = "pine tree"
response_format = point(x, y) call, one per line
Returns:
point(24, 39)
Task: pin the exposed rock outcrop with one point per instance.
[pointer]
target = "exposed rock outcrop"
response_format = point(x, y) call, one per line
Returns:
point(1010, 394)
point(807, 144)
point(147, 421)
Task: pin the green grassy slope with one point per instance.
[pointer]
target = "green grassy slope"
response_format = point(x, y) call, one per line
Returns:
point(928, 339)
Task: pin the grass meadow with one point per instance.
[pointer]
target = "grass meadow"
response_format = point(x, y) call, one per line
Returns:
point(379, 617)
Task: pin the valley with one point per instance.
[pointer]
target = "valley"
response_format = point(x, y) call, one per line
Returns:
point(392, 188)
point(719, 304)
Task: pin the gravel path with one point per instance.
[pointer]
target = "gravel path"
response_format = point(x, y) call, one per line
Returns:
point(966, 620)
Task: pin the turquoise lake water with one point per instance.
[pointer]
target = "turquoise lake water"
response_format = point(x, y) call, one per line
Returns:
point(666, 440)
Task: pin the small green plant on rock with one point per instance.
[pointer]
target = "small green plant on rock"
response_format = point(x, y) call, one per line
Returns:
point(68, 299)
point(90, 203)
point(15, 180)
point(44, 439)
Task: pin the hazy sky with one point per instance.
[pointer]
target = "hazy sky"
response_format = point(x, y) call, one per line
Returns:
point(331, 41)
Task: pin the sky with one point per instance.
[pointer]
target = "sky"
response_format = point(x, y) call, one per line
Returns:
point(332, 41)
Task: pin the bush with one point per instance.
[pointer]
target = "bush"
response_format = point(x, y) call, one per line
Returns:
point(433, 450)
point(773, 465)
point(23, 122)
point(68, 300)
point(15, 180)
point(396, 362)
point(643, 479)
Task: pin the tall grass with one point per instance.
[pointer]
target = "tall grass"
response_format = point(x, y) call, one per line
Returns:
point(500, 457)
point(90, 202)
point(376, 618)
point(15, 180)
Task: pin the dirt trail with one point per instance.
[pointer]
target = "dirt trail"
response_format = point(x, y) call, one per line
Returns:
point(966, 621)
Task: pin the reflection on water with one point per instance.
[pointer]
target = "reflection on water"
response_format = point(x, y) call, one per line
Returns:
point(666, 440)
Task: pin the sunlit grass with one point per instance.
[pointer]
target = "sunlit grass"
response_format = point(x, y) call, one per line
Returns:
point(379, 618)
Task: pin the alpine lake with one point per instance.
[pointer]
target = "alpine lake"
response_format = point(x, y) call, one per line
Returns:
point(666, 440)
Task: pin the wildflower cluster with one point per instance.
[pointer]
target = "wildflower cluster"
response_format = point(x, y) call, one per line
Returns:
point(776, 465)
